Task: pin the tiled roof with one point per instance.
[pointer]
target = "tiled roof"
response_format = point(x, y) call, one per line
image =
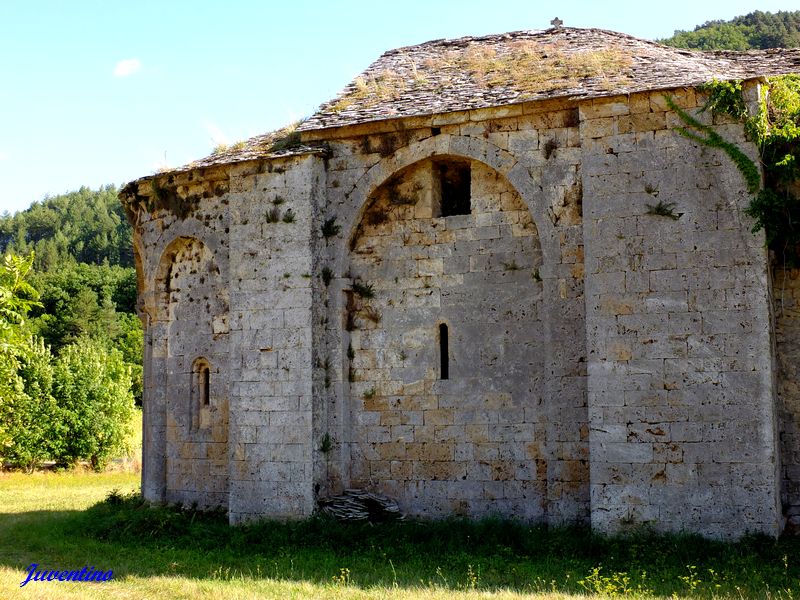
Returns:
point(495, 70)
point(281, 142)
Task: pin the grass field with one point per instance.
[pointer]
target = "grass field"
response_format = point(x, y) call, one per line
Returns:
point(61, 521)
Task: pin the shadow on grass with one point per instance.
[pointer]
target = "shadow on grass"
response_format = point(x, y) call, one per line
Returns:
point(132, 538)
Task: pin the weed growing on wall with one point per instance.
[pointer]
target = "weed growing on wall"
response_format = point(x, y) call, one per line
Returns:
point(663, 209)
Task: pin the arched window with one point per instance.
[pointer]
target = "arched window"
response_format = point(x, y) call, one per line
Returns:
point(201, 389)
point(203, 384)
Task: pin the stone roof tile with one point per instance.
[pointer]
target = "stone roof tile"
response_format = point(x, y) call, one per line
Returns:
point(495, 70)
point(278, 143)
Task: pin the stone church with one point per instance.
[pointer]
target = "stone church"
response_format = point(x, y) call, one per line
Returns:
point(490, 277)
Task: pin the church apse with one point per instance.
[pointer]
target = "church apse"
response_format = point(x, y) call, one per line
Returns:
point(445, 344)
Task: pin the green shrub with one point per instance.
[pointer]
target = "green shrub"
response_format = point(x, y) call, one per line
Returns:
point(28, 413)
point(91, 386)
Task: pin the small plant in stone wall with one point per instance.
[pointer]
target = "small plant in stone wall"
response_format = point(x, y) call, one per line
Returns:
point(330, 228)
point(326, 444)
point(663, 209)
point(288, 216)
point(273, 215)
point(363, 290)
point(356, 306)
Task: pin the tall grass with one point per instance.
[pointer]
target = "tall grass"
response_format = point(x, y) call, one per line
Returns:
point(62, 521)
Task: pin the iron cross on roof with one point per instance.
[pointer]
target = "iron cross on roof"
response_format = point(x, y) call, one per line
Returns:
point(556, 23)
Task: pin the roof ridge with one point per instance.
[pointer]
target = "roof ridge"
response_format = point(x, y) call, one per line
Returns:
point(464, 40)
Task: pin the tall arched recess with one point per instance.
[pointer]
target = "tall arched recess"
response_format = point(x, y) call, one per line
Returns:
point(444, 336)
point(191, 374)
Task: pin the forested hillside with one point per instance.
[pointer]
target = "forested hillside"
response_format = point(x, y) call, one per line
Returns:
point(757, 30)
point(86, 226)
point(70, 341)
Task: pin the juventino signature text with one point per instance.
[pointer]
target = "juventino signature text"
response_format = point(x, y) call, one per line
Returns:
point(85, 574)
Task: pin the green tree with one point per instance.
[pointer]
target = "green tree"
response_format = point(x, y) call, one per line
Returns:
point(25, 374)
point(131, 343)
point(92, 387)
point(95, 301)
point(30, 419)
point(17, 297)
point(757, 30)
point(83, 300)
point(86, 226)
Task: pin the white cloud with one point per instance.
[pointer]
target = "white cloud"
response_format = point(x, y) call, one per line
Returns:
point(3, 155)
point(217, 136)
point(126, 67)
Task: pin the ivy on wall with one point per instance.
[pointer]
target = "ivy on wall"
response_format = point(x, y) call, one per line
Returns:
point(775, 130)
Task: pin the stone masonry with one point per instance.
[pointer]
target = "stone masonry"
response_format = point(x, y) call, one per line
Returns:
point(474, 310)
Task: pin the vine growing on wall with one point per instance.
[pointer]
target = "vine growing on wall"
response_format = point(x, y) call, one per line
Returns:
point(703, 134)
point(775, 130)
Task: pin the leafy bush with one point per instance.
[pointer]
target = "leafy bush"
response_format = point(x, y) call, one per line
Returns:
point(25, 373)
point(28, 413)
point(92, 387)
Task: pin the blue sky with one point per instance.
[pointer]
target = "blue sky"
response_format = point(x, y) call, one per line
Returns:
point(95, 92)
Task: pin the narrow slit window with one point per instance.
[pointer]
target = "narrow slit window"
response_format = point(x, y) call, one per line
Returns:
point(444, 352)
point(205, 385)
point(455, 179)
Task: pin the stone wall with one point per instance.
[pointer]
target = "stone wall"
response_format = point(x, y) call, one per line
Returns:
point(507, 432)
point(183, 299)
point(786, 293)
point(273, 211)
point(607, 313)
point(473, 442)
point(678, 328)
point(197, 372)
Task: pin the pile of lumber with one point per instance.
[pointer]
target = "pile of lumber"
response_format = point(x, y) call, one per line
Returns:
point(360, 505)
